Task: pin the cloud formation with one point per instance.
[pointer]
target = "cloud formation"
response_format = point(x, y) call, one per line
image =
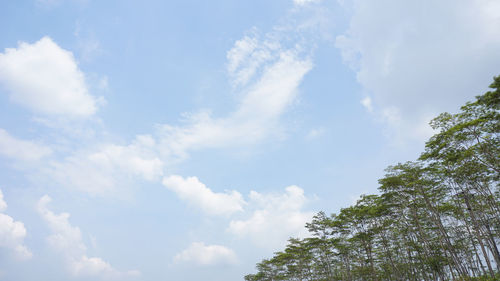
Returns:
point(246, 57)
point(268, 76)
point(21, 150)
point(67, 239)
point(111, 165)
point(418, 59)
point(273, 218)
point(199, 195)
point(265, 71)
point(46, 79)
point(268, 220)
point(205, 255)
point(3, 204)
point(12, 233)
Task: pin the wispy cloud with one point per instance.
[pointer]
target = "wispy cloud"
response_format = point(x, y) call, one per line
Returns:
point(110, 165)
point(267, 74)
point(257, 114)
point(21, 150)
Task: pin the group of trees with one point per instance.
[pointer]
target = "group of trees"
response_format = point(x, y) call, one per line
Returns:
point(436, 218)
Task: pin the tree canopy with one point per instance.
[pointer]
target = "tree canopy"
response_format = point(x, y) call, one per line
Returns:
point(435, 218)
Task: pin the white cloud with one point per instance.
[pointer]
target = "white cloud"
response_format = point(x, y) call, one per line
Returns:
point(256, 117)
point(110, 165)
point(276, 88)
point(266, 72)
point(12, 233)
point(267, 219)
point(263, 101)
point(3, 204)
point(136, 158)
point(199, 195)
point(67, 239)
point(267, 75)
point(275, 218)
point(367, 103)
point(200, 254)
point(85, 266)
point(23, 150)
point(73, 171)
point(421, 58)
point(246, 57)
point(46, 79)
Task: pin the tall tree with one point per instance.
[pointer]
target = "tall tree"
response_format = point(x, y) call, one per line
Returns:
point(437, 218)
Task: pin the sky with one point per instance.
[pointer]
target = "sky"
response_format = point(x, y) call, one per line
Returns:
point(188, 140)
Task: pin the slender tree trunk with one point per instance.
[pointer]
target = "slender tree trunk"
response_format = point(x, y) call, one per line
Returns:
point(444, 235)
point(478, 234)
point(496, 254)
point(385, 245)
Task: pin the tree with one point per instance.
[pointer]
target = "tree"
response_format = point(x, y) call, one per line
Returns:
point(437, 218)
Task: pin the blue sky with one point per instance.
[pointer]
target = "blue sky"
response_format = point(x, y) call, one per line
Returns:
point(187, 140)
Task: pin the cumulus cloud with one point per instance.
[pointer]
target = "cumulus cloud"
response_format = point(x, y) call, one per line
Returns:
point(85, 266)
point(267, 219)
point(12, 233)
point(421, 58)
point(199, 195)
point(46, 79)
point(274, 218)
point(67, 239)
point(200, 254)
point(268, 76)
point(22, 150)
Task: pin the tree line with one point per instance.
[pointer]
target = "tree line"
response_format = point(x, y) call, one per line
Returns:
point(436, 218)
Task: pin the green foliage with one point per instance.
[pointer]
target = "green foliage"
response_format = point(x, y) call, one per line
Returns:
point(437, 218)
